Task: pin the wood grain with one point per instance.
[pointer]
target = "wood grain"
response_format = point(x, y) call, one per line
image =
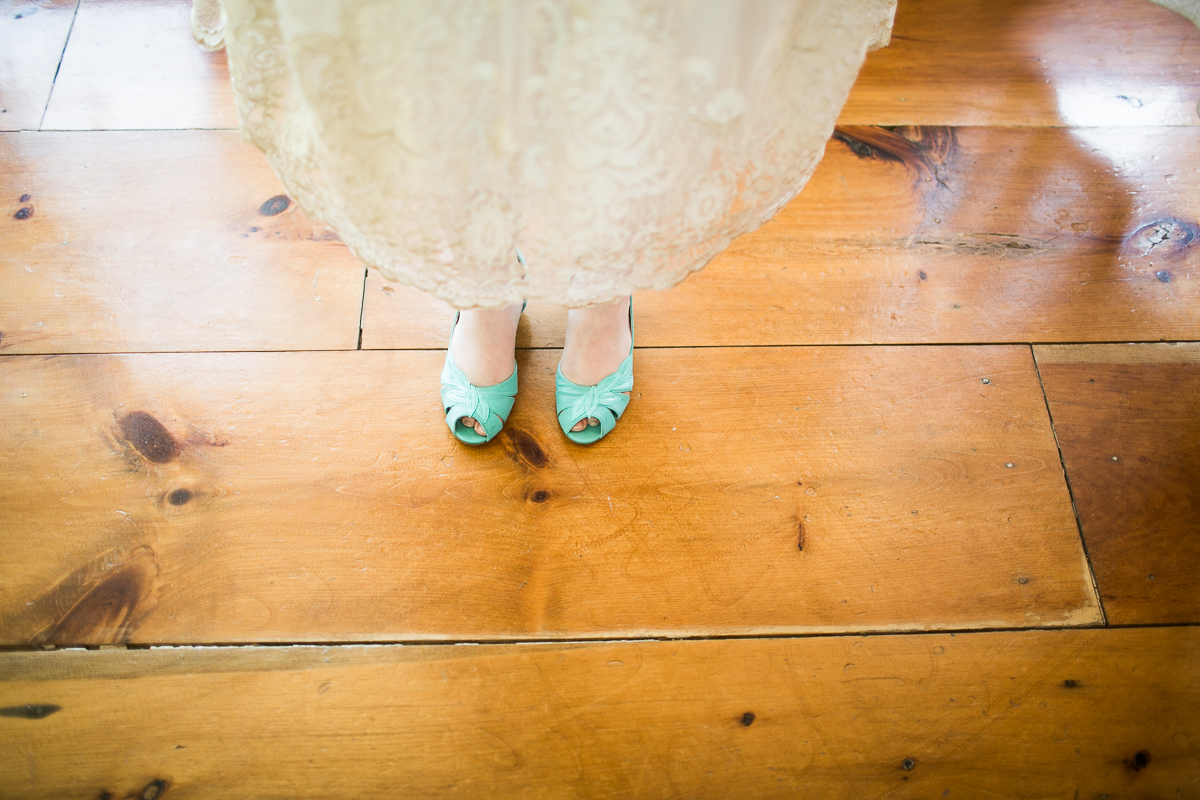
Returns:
point(320, 497)
point(163, 241)
point(929, 235)
point(1128, 422)
point(1031, 62)
point(1012, 714)
point(32, 36)
point(132, 64)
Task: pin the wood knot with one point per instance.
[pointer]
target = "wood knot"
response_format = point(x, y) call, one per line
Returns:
point(275, 205)
point(149, 437)
point(1140, 760)
point(24, 213)
point(1165, 237)
point(154, 789)
point(748, 719)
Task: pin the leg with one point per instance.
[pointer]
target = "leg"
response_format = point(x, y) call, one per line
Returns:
point(598, 339)
point(483, 347)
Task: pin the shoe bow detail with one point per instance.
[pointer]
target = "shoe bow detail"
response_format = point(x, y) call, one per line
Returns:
point(605, 402)
point(488, 405)
point(586, 401)
point(462, 395)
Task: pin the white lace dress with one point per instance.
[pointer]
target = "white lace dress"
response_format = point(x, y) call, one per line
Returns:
point(619, 144)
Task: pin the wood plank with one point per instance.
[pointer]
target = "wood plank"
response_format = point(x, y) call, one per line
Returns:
point(1013, 714)
point(319, 497)
point(1045, 62)
point(32, 36)
point(930, 235)
point(157, 78)
point(949, 63)
point(1127, 422)
point(163, 241)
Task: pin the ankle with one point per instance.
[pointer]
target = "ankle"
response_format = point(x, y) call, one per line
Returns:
point(483, 343)
point(598, 340)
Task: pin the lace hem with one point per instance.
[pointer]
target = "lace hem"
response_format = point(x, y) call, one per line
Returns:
point(620, 146)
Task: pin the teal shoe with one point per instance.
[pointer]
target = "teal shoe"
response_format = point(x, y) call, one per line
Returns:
point(490, 405)
point(605, 401)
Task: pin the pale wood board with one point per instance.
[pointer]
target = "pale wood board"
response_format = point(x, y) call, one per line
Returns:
point(133, 64)
point(159, 241)
point(1127, 419)
point(1008, 714)
point(1053, 62)
point(1031, 62)
point(32, 36)
point(320, 497)
point(929, 235)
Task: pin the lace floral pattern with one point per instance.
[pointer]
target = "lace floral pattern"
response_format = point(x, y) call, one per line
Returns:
point(619, 145)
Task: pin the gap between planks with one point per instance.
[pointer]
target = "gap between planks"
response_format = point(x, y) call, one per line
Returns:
point(810, 346)
point(57, 69)
point(1037, 370)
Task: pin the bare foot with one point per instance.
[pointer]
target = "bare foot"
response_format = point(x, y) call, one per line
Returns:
point(483, 346)
point(598, 339)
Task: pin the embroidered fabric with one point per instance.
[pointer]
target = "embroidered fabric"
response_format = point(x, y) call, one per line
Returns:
point(620, 145)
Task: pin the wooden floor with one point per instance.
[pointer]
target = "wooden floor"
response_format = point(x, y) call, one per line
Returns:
point(907, 503)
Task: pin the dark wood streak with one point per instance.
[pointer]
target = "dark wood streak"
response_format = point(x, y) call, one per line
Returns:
point(104, 600)
point(996, 245)
point(923, 150)
point(524, 449)
point(30, 711)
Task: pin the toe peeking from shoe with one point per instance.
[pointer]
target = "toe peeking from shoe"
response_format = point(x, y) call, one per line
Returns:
point(484, 406)
point(605, 402)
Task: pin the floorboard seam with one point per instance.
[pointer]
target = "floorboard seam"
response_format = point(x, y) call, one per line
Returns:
point(559, 347)
point(362, 307)
point(54, 81)
point(956, 126)
point(128, 130)
point(590, 640)
point(1070, 492)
